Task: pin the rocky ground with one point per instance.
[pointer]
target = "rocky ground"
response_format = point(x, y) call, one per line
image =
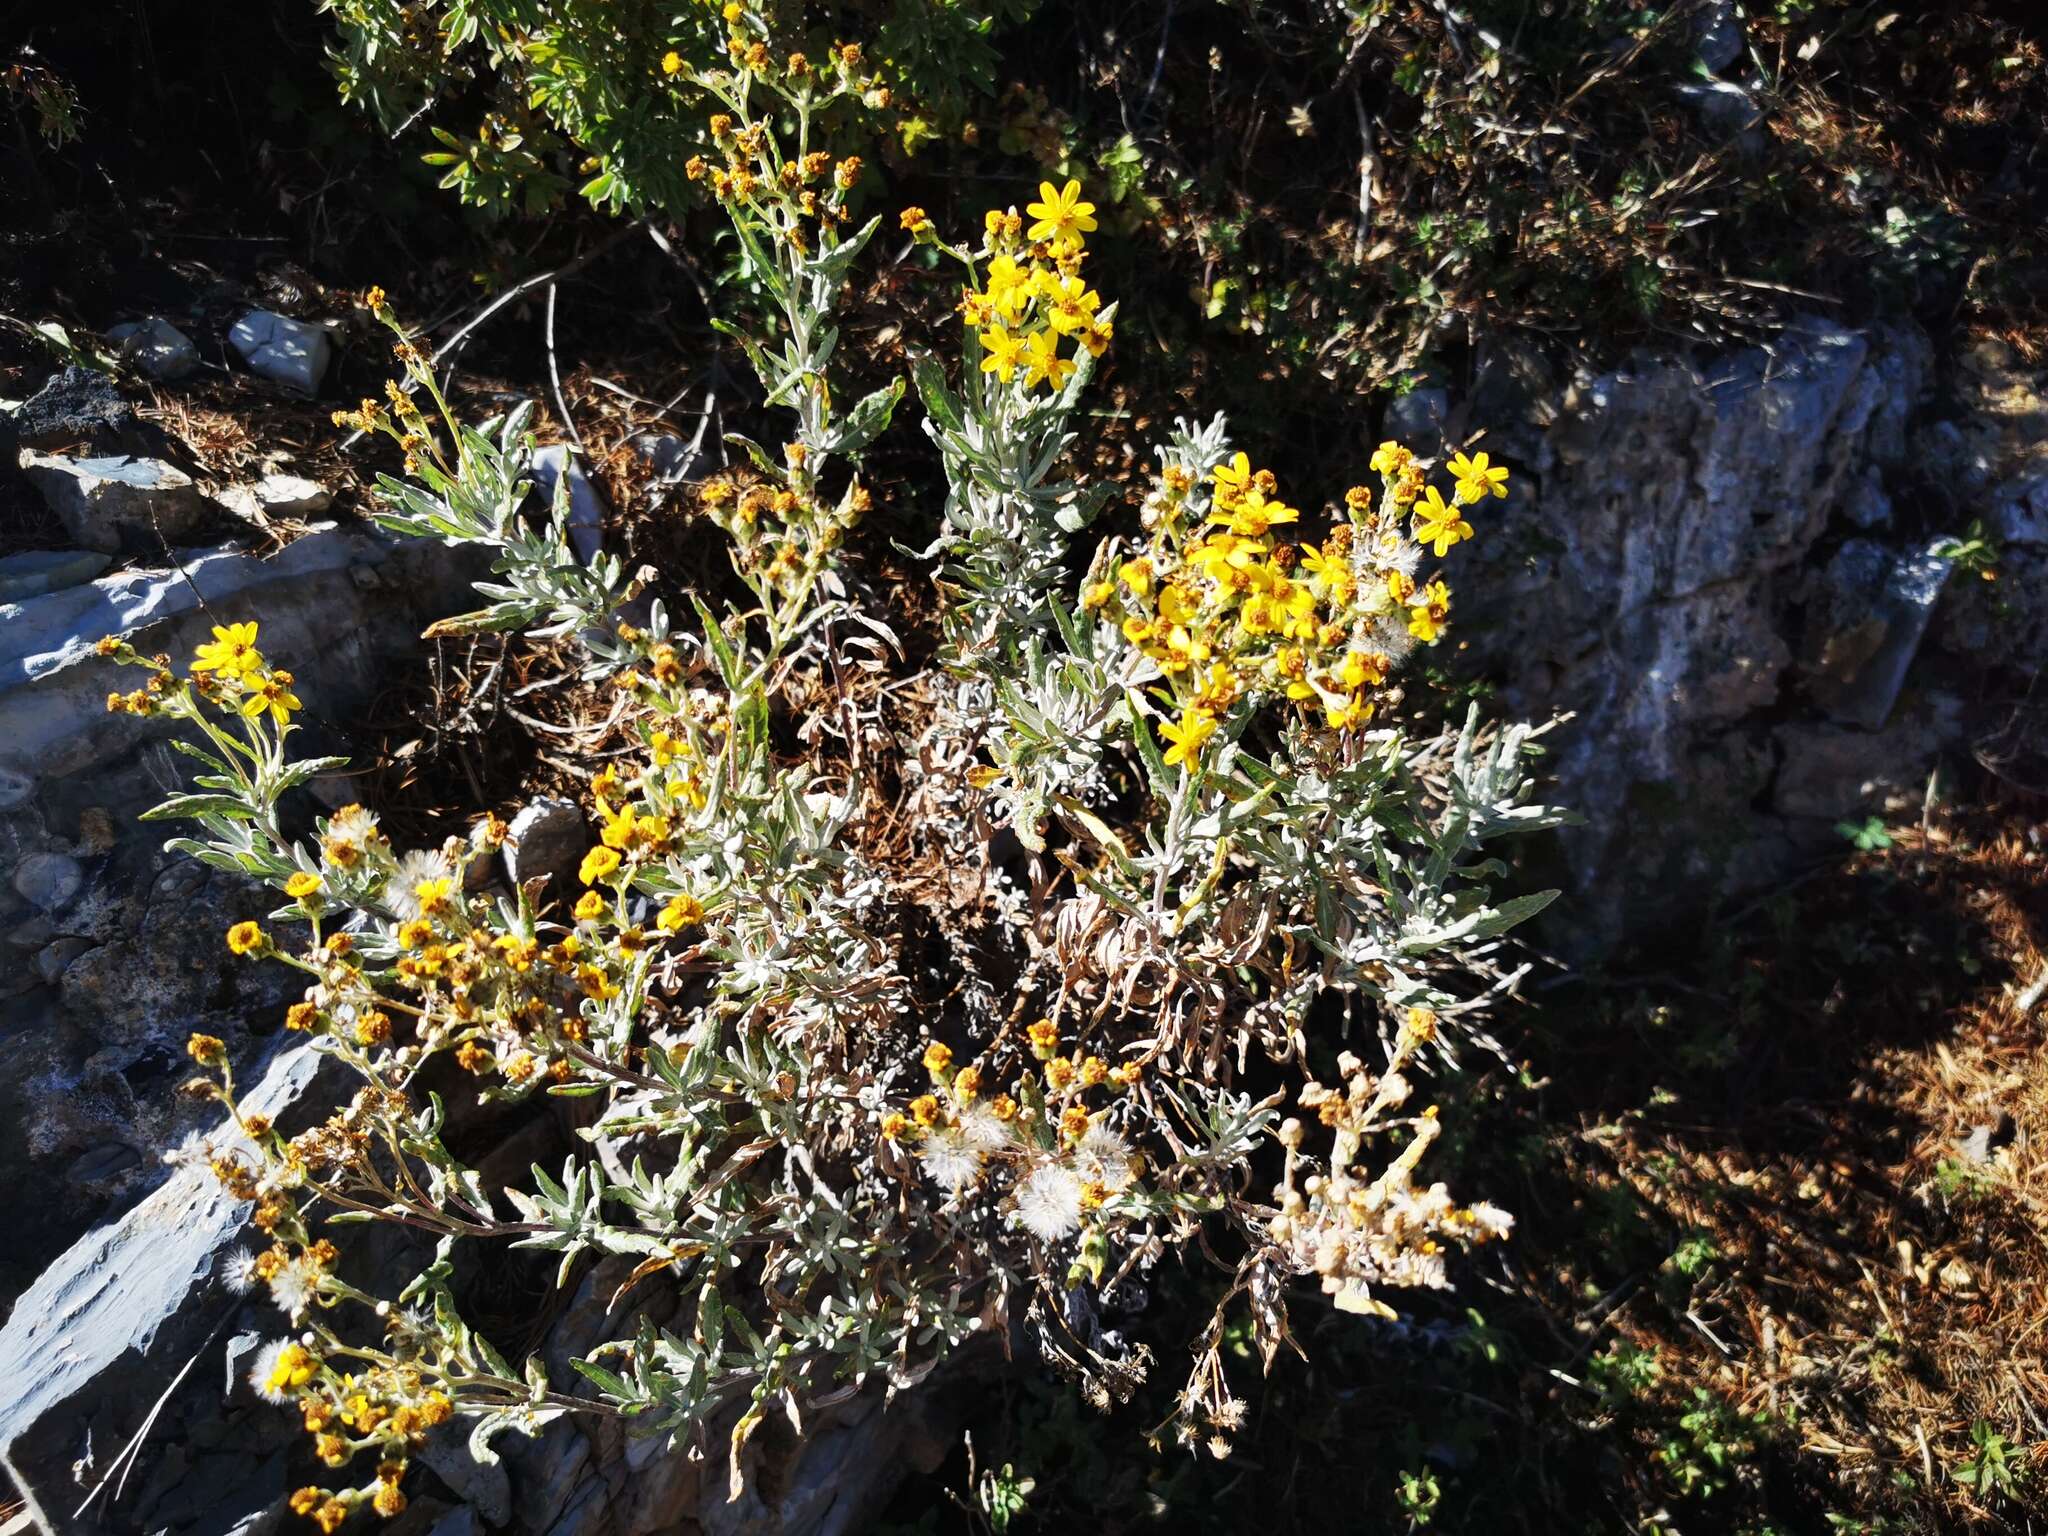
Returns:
point(1802, 720)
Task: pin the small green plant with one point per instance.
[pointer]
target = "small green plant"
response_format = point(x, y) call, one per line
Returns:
point(1712, 1443)
point(1989, 1470)
point(1622, 1375)
point(1418, 1494)
point(1865, 836)
point(1974, 551)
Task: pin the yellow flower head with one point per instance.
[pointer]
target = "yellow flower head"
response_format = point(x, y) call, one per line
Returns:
point(301, 885)
point(683, 911)
point(1438, 524)
point(597, 864)
point(671, 63)
point(1477, 477)
point(1060, 214)
point(246, 938)
point(1005, 351)
point(232, 651)
point(1187, 737)
point(1042, 360)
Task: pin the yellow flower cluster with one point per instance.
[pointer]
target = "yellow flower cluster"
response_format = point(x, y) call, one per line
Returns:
point(1231, 610)
point(228, 671)
point(1032, 298)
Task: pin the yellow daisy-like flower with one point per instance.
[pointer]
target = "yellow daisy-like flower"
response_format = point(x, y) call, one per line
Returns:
point(597, 864)
point(1060, 213)
point(1438, 524)
point(1478, 477)
point(301, 885)
point(671, 63)
point(273, 694)
point(1043, 363)
point(1188, 736)
point(1426, 618)
point(232, 651)
point(1005, 351)
point(246, 938)
point(683, 911)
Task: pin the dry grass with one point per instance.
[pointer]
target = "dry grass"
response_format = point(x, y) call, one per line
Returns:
point(1880, 1273)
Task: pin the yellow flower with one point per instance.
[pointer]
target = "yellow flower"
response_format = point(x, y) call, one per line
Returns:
point(246, 938)
point(671, 63)
point(1478, 478)
point(1005, 351)
point(1438, 524)
point(598, 863)
point(273, 693)
point(295, 1367)
point(434, 897)
point(1060, 215)
point(301, 885)
point(232, 651)
point(1043, 362)
point(1009, 285)
point(938, 1056)
point(1044, 1037)
point(1189, 736)
point(207, 1050)
point(618, 828)
point(1391, 459)
point(589, 907)
point(1232, 479)
point(1426, 618)
point(1071, 304)
point(914, 220)
point(683, 911)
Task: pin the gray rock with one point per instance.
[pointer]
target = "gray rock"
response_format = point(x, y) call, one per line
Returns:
point(48, 880)
point(586, 507)
point(277, 495)
point(1417, 419)
point(36, 571)
point(483, 1486)
point(136, 954)
point(546, 839)
point(80, 405)
point(289, 352)
point(1718, 36)
point(155, 348)
point(1865, 628)
point(106, 502)
point(1721, 106)
point(116, 1314)
point(55, 957)
point(1645, 574)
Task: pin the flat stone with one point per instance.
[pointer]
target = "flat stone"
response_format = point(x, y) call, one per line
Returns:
point(546, 839)
point(79, 405)
point(101, 1310)
point(586, 507)
point(104, 502)
point(277, 495)
point(48, 880)
point(1721, 105)
point(288, 352)
point(36, 571)
point(155, 347)
point(53, 957)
